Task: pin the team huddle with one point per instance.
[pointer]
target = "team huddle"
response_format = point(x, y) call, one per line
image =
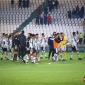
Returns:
point(16, 46)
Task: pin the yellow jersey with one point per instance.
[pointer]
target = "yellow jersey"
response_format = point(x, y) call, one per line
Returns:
point(63, 42)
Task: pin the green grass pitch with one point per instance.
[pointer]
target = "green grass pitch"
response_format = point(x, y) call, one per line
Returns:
point(57, 73)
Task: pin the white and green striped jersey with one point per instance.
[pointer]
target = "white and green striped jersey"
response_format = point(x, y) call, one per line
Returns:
point(32, 43)
point(37, 44)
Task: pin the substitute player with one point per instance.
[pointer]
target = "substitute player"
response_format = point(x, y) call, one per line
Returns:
point(74, 42)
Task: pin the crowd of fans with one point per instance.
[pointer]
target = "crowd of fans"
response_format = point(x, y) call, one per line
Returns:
point(21, 3)
point(46, 18)
point(43, 19)
point(76, 13)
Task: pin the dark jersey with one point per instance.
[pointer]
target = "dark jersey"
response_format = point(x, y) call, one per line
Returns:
point(16, 41)
point(58, 40)
point(28, 45)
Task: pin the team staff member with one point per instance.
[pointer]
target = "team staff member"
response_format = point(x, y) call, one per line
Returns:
point(50, 43)
point(22, 45)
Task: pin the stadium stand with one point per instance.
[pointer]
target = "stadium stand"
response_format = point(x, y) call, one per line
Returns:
point(11, 18)
point(24, 18)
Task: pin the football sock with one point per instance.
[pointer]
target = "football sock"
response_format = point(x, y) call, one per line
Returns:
point(27, 58)
point(41, 56)
point(44, 53)
point(7, 56)
point(10, 55)
point(64, 54)
point(78, 54)
point(41, 53)
point(2, 56)
point(61, 56)
point(34, 60)
point(38, 58)
point(56, 57)
point(71, 55)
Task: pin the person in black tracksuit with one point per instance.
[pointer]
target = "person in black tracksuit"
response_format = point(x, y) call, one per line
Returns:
point(15, 45)
point(12, 3)
point(56, 4)
point(24, 3)
point(22, 48)
point(27, 2)
point(51, 47)
point(20, 3)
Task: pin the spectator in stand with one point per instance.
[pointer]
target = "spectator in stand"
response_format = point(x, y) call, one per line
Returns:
point(38, 11)
point(24, 3)
point(84, 25)
point(56, 4)
point(73, 14)
point(12, 3)
point(20, 3)
point(28, 3)
point(77, 11)
point(49, 2)
point(80, 38)
point(77, 8)
point(37, 19)
point(49, 19)
point(82, 12)
point(50, 5)
point(82, 9)
point(46, 10)
point(69, 14)
point(45, 19)
point(41, 19)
